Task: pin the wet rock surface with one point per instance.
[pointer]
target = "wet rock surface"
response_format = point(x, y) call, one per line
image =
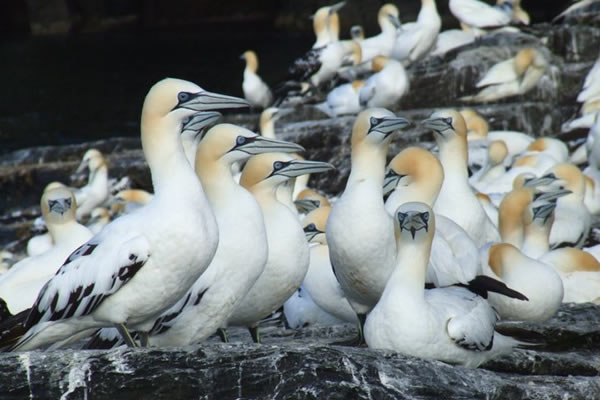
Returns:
point(303, 364)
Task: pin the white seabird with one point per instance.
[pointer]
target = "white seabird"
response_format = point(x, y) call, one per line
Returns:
point(20, 285)
point(414, 42)
point(242, 250)
point(360, 233)
point(448, 324)
point(142, 263)
point(383, 43)
point(255, 89)
point(387, 86)
point(516, 75)
point(320, 281)
point(456, 199)
point(343, 99)
point(477, 14)
point(288, 257)
point(39, 244)
point(95, 192)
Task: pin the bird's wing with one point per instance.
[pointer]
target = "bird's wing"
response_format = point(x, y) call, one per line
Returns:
point(91, 273)
point(478, 14)
point(502, 72)
point(470, 319)
point(367, 92)
point(305, 66)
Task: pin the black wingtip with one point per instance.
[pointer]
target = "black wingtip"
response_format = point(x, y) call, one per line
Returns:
point(482, 284)
point(4, 311)
point(12, 330)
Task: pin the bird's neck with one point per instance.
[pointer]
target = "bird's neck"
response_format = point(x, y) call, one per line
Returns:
point(368, 164)
point(268, 129)
point(217, 179)
point(408, 278)
point(454, 159)
point(171, 171)
point(61, 232)
point(428, 13)
point(537, 239)
point(98, 178)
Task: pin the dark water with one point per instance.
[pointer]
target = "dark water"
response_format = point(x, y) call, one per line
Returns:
point(69, 89)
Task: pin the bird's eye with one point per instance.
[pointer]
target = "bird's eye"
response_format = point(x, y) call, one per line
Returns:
point(310, 227)
point(448, 120)
point(51, 203)
point(240, 140)
point(183, 97)
point(68, 202)
point(277, 165)
point(374, 121)
point(401, 217)
point(425, 216)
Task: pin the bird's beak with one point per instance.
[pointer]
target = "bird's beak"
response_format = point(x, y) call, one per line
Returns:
point(389, 125)
point(81, 167)
point(390, 181)
point(199, 121)
point(395, 21)
point(307, 205)
point(550, 196)
point(310, 232)
point(336, 7)
point(294, 168)
point(543, 180)
point(260, 144)
point(544, 211)
point(59, 206)
point(437, 124)
point(413, 222)
point(207, 101)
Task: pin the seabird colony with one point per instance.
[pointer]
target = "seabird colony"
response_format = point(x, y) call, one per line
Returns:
point(422, 256)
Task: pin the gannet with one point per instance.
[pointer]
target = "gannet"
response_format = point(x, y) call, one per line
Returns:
point(192, 130)
point(359, 231)
point(309, 199)
point(488, 206)
point(41, 243)
point(357, 32)
point(320, 281)
point(538, 281)
point(494, 167)
point(112, 279)
point(343, 99)
point(554, 147)
point(383, 43)
point(530, 164)
point(519, 14)
point(451, 39)
point(456, 199)
point(591, 85)
point(288, 257)
point(477, 14)
point(517, 75)
point(20, 286)
point(580, 274)
point(242, 250)
point(417, 176)
point(478, 130)
point(255, 89)
point(326, 24)
point(301, 311)
point(415, 42)
point(387, 86)
point(448, 324)
point(129, 200)
point(266, 122)
point(319, 64)
point(572, 219)
point(95, 192)
point(99, 217)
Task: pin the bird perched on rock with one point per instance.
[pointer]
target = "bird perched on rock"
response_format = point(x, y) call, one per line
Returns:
point(255, 89)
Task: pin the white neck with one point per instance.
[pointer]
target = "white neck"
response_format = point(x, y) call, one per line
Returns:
point(368, 164)
point(408, 279)
point(454, 159)
point(536, 242)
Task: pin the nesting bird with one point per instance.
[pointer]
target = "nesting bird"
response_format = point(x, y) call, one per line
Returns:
point(516, 75)
point(95, 192)
point(386, 86)
point(255, 89)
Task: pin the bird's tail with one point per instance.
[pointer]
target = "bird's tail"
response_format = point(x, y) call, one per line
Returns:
point(13, 329)
point(283, 90)
point(482, 284)
point(4, 311)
